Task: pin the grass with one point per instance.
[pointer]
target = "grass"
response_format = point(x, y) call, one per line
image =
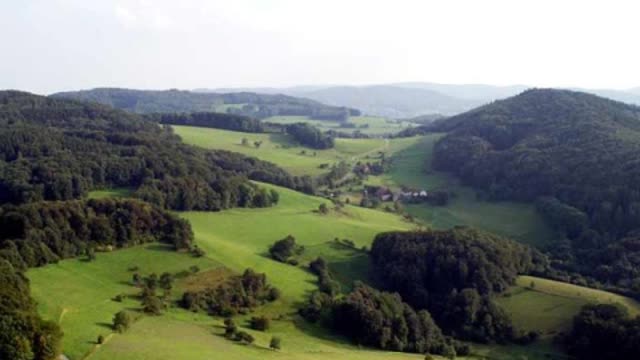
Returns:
point(370, 125)
point(280, 149)
point(110, 193)
point(549, 306)
point(411, 167)
point(78, 294)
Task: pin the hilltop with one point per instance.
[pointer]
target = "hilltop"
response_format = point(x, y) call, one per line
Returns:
point(573, 153)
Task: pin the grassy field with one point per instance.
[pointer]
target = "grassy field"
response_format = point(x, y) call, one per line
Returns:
point(110, 193)
point(549, 306)
point(78, 293)
point(411, 167)
point(279, 149)
point(370, 125)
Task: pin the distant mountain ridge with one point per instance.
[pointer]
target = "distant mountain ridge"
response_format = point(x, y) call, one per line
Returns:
point(411, 99)
point(244, 103)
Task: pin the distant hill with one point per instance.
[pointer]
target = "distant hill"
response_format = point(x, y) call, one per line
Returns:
point(576, 154)
point(411, 99)
point(241, 103)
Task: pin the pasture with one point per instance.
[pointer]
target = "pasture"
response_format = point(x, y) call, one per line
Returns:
point(370, 125)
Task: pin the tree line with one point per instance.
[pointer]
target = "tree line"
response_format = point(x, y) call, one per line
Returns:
point(210, 120)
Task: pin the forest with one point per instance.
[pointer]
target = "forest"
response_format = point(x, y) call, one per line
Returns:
point(573, 153)
point(176, 101)
point(54, 149)
point(209, 119)
point(453, 274)
point(310, 136)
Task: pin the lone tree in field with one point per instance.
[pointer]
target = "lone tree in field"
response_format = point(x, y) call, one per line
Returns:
point(323, 209)
point(245, 142)
point(260, 323)
point(122, 321)
point(283, 249)
point(257, 144)
point(230, 328)
point(275, 343)
point(244, 337)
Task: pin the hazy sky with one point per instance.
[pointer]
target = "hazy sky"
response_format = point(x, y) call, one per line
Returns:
point(53, 45)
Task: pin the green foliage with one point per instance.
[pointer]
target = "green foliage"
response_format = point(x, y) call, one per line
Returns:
point(604, 332)
point(275, 343)
point(73, 148)
point(210, 120)
point(122, 321)
point(44, 232)
point(452, 273)
point(260, 323)
point(244, 337)
point(241, 292)
point(577, 149)
point(310, 136)
point(285, 248)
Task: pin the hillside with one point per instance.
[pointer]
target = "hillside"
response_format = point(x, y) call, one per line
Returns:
point(574, 153)
point(392, 101)
point(243, 103)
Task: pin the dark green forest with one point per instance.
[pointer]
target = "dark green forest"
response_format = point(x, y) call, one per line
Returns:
point(453, 274)
point(211, 120)
point(54, 149)
point(176, 101)
point(310, 136)
point(573, 153)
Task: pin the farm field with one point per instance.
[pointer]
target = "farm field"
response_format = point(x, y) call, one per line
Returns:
point(549, 306)
point(370, 125)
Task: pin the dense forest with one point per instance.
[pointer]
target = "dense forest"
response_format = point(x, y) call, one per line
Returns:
point(176, 101)
point(211, 120)
point(453, 274)
point(54, 149)
point(573, 153)
point(604, 331)
point(310, 136)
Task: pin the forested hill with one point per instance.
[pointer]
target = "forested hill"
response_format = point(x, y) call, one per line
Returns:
point(577, 155)
point(241, 103)
point(57, 149)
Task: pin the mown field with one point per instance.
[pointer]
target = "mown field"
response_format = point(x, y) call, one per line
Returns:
point(370, 125)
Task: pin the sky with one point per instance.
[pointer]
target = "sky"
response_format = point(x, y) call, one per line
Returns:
point(56, 45)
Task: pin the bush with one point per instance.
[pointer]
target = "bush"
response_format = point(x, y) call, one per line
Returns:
point(260, 323)
point(275, 343)
point(100, 340)
point(244, 337)
point(122, 321)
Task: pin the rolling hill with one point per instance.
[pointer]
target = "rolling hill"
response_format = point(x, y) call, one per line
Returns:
point(244, 103)
point(573, 153)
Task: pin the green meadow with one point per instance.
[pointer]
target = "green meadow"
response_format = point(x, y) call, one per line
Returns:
point(370, 125)
point(281, 150)
point(78, 294)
